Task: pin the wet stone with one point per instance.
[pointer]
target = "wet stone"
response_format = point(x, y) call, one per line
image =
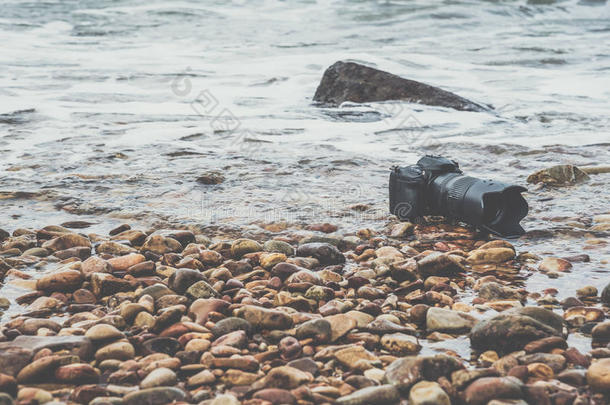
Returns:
point(481, 391)
point(181, 235)
point(382, 395)
point(201, 289)
point(428, 393)
point(156, 291)
point(245, 363)
point(86, 393)
point(587, 292)
point(318, 329)
point(241, 247)
point(283, 377)
point(160, 245)
point(104, 285)
point(555, 264)
point(325, 253)
point(492, 291)
point(405, 372)
point(224, 399)
point(211, 178)
point(234, 377)
point(278, 246)
point(95, 264)
point(66, 241)
point(80, 252)
point(601, 333)
point(143, 269)
point(439, 264)
point(264, 318)
point(558, 175)
point(546, 344)
point(461, 378)
point(34, 395)
point(135, 237)
point(400, 344)
point(446, 320)
point(201, 308)
point(119, 229)
point(574, 377)
point(268, 260)
point(509, 332)
point(165, 345)
point(77, 345)
point(306, 364)
point(340, 325)
point(605, 296)
point(237, 339)
point(8, 384)
point(356, 358)
point(490, 255)
point(349, 81)
point(202, 378)
point(231, 324)
point(383, 326)
point(123, 263)
point(118, 351)
point(289, 348)
point(598, 375)
point(68, 280)
point(77, 373)
point(13, 359)
point(114, 248)
point(154, 396)
point(159, 377)
point(276, 396)
point(32, 326)
point(39, 370)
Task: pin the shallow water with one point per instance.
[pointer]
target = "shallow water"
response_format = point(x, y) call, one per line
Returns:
point(110, 111)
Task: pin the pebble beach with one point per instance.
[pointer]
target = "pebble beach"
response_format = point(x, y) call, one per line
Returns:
point(420, 314)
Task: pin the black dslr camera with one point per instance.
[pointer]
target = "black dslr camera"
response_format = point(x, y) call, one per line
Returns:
point(436, 186)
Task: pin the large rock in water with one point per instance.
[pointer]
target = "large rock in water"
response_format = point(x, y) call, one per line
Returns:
point(512, 330)
point(348, 81)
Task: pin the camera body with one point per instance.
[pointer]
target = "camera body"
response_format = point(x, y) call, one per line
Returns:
point(437, 186)
point(408, 185)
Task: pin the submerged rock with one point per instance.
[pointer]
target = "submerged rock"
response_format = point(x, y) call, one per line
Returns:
point(558, 175)
point(348, 81)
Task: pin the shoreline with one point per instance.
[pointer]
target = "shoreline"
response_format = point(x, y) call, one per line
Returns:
point(301, 315)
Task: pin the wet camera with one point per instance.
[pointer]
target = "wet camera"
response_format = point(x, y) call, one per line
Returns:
point(437, 186)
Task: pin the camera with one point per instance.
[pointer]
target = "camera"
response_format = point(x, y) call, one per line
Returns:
point(437, 186)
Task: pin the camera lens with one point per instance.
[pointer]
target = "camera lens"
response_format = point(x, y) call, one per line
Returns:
point(492, 205)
